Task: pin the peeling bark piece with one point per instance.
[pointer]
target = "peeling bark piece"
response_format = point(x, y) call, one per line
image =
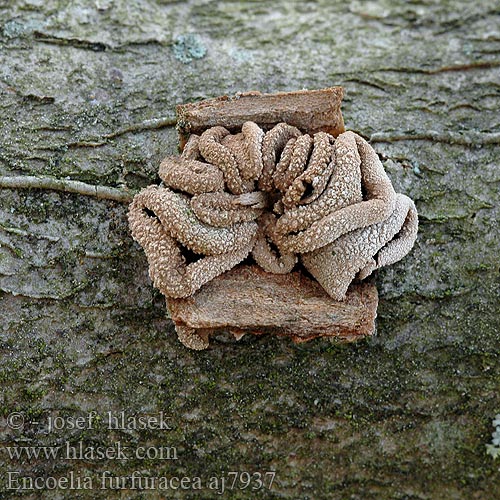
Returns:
point(249, 300)
point(310, 111)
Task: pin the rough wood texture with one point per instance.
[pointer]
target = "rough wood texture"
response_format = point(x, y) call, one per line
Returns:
point(88, 91)
point(249, 300)
point(310, 111)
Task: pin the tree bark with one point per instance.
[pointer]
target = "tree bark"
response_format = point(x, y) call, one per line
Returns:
point(88, 92)
point(310, 111)
point(249, 300)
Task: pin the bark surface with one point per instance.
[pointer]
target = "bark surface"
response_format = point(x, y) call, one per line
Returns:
point(88, 91)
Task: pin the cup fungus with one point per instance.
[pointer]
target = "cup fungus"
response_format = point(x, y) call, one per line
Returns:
point(279, 196)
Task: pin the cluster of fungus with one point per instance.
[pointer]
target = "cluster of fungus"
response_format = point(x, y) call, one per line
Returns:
point(278, 196)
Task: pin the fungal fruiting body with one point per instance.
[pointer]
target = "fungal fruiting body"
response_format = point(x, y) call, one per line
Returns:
point(279, 196)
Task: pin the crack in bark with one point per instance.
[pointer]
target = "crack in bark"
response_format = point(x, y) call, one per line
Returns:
point(153, 124)
point(73, 42)
point(465, 67)
point(442, 69)
point(79, 43)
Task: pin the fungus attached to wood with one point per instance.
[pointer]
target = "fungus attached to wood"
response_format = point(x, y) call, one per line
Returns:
point(278, 193)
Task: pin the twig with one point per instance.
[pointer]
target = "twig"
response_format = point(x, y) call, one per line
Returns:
point(66, 185)
point(450, 138)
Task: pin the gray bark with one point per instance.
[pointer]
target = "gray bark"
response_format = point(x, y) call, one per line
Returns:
point(88, 92)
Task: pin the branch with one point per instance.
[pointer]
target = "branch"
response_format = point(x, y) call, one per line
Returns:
point(472, 139)
point(67, 186)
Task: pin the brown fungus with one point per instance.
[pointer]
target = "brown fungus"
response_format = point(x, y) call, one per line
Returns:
point(324, 201)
